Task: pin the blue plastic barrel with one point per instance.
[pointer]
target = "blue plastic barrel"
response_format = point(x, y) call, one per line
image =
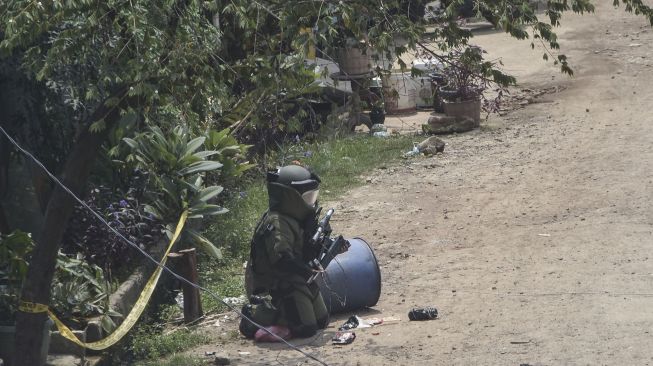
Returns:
point(352, 280)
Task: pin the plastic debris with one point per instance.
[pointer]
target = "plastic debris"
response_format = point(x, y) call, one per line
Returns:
point(240, 300)
point(390, 319)
point(362, 323)
point(373, 321)
point(413, 152)
point(427, 313)
point(356, 321)
point(341, 338)
point(179, 300)
point(351, 323)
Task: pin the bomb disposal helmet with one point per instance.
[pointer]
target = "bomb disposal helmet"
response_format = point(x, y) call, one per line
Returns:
point(300, 179)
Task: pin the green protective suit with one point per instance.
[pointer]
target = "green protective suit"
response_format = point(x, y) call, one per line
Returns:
point(279, 255)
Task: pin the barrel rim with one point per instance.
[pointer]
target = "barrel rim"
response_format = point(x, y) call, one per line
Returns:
point(378, 268)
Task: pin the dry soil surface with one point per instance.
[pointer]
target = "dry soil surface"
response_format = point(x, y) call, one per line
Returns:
point(532, 236)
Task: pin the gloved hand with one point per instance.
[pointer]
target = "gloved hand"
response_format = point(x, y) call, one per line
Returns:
point(345, 247)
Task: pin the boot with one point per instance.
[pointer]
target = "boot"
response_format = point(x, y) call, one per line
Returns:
point(247, 328)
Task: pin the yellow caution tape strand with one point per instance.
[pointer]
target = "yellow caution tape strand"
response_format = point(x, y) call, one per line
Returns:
point(131, 318)
point(32, 307)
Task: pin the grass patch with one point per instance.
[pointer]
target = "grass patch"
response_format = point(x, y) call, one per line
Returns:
point(226, 279)
point(340, 163)
point(176, 360)
point(148, 344)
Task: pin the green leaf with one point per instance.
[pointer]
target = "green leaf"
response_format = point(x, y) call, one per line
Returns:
point(189, 159)
point(152, 211)
point(194, 144)
point(131, 142)
point(107, 324)
point(202, 166)
point(241, 168)
point(230, 150)
point(97, 126)
point(209, 192)
point(205, 154)
point(205, 210)
point(114, 313)
point(205, 245)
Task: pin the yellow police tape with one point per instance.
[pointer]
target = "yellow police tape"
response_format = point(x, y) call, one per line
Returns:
point(131, 318)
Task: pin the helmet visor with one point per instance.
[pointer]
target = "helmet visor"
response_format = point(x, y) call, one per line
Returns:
point(310, 197)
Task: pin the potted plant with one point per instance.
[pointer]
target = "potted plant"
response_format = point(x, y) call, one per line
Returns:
point(466, 77)
point(14, 250)
point(347, 43)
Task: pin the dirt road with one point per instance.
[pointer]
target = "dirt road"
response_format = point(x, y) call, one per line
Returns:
point(532, 236)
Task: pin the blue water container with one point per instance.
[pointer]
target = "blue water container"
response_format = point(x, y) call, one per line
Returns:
point(352, 280)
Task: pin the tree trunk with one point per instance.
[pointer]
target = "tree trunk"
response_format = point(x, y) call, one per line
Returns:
point(4, 179)
point(192, 299)
point(4, 225)
point(42, 184)
point(36, 287)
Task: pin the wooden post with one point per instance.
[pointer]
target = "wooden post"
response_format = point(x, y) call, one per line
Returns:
point(187, 264)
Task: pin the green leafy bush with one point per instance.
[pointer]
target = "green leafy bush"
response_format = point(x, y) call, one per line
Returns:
point(178, 164)
point(80, 290)
point(85, 234)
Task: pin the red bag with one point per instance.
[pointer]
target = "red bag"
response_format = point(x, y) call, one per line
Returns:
point(280, 330)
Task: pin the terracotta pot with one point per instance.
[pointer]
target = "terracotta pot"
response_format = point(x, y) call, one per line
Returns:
point(467, 108)
point(352, 61)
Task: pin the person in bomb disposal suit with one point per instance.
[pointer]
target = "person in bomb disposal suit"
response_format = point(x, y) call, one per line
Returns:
point(279, 257)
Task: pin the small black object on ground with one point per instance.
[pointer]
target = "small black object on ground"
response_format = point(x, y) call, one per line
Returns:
point(426, 313)
point(351, 323)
